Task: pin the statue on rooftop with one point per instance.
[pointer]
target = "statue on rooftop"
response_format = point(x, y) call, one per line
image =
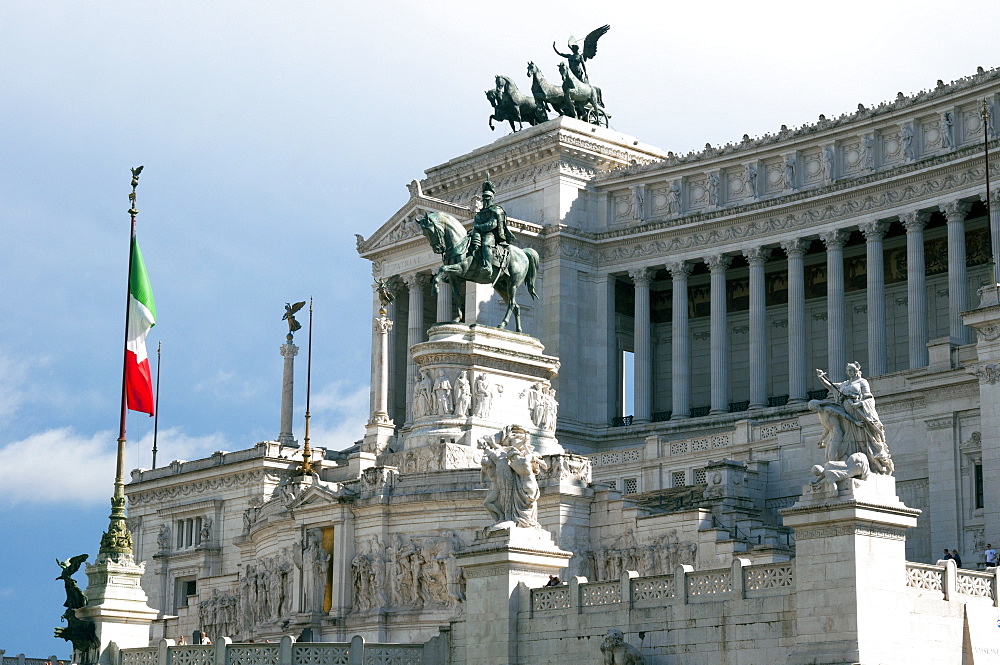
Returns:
point(850, 422)
point(484, 255)
point(289, 316)
point(577, 60)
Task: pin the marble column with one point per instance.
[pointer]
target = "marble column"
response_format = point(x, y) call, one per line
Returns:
point(641, 345)
point(719, 364)
point(797, 384)
point(445, 306)
point(958, 289)
point(916, 287)
point(875, 282)
point(756, 257)
point(414, 332)
point(680, 375)
point(994, 206)
point(288, 352)
point(836, 338)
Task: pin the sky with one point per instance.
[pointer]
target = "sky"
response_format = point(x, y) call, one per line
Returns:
point(271, 133)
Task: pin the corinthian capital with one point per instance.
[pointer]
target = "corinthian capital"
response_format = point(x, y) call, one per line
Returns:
point(416, 280)
point(954, 211)
point(833, 239)
point(757, 255)
point(914, 221)
point(795, 247)
point(718, 262)
point(680, 269)
point(874, 230)
point(642, 276)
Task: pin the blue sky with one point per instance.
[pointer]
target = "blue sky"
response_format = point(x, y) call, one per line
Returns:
point(271, 132)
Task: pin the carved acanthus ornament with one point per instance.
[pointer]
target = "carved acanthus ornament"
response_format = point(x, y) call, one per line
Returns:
point(989, 373)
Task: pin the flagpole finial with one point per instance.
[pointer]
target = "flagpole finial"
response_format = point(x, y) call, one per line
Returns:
point(136, 170)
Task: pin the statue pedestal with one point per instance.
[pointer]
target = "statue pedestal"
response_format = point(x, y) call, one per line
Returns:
point(116, 603)
point(507, 372)
point(500, 567)
point(850, 565)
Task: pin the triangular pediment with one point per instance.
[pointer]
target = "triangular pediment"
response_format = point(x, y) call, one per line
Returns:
point(317, 495)
point(402, 227)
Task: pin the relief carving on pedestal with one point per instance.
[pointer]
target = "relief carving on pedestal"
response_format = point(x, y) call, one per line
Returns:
point(264, 595)
point(542, 405)
point(659, 556)
point(409, 572)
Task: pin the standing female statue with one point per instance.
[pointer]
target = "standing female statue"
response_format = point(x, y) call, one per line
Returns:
point(850, 422)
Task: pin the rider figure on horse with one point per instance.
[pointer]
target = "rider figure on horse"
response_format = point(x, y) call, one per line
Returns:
point(489, 229)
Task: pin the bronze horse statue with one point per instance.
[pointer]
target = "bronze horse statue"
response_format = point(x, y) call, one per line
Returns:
point(449, 239)
point(546, 93)
point(583, 100)
point(515, 104)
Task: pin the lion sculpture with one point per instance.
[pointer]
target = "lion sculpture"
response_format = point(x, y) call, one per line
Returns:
point(619, 652)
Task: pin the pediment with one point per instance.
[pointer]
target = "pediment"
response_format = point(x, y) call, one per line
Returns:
point(320, 495)
point(402, 226)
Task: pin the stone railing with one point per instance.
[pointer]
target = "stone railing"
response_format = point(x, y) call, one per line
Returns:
point(950, 581)
point(287, 652)
point(20, 659)
point(742, 580)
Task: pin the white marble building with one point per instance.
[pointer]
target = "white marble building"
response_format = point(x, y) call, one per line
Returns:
point(723, 279)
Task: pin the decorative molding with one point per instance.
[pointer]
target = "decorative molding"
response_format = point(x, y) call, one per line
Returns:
point(989, 373)
point(197, 487)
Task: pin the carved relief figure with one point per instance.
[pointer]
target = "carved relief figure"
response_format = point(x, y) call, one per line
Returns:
point(315, 562)
point(831, 473)
point(484, 396)
point(463, 394)
point(789, 173)
point(850, 422)
point(826, 157)
point(751, 179)
point(674, 198)
point(163, 538)
point(206, 531)
point(443, 404)
point(423, 392)
point(713, 189)
point(637, 204)
point(906, 136)
point(868, 153)
point(947, 130)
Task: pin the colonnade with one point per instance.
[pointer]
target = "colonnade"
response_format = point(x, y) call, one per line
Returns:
point(794, 249)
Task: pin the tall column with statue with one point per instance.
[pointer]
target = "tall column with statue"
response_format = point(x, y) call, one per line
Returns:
point(380, 428)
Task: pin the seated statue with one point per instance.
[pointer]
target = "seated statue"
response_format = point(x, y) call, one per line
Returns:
point(850, 422)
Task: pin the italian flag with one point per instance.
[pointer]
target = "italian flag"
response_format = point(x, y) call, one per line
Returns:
point(141, 317)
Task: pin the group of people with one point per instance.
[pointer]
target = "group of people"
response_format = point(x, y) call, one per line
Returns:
point(989, 556)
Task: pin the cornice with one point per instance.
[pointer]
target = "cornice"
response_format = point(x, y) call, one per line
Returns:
point(788, 139)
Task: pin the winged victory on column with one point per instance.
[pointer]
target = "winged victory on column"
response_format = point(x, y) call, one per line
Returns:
point(289, 316)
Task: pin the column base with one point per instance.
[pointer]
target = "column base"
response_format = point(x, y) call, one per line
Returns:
point(117, 606)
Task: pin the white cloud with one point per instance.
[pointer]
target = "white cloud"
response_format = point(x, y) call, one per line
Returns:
point(339, 413)
point(60, 465)
point(13, 383)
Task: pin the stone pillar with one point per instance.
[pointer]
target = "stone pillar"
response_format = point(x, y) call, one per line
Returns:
point(986, 321)
point(916, 287)
point(445, 306)
point(288, 352)
point(756, 257)
point(414, 332)
point(994, 207)
point(477, 298)
point(642, 346)
point(850, 565)
point(877, 360)
point(719, 342)
point(958, 291)
point(380, 428)
point(501, 567)
point(680, 342)
point(798, 385)
point(836, 339)
point(392, 312)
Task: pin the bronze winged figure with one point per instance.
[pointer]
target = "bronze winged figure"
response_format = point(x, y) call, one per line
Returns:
point(577, 60)
point(289, 316)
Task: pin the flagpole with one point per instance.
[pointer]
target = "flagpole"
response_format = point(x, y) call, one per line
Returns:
point(156, 407)
point(116, 542)
point(306, 451)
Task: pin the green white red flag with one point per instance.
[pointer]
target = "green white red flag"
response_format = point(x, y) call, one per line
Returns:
point(141, 317)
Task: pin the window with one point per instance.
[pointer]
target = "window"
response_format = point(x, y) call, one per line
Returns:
point(978, 475)
point(631, 485)
point(184, 589)
point(188, 533)
point(700, 477)
point(679, 478)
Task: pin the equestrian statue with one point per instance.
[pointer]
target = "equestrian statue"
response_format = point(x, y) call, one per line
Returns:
point(486, 254)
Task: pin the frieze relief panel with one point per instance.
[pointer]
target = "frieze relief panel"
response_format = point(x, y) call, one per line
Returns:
point(892, 148)
point(408, 572)
point(812, 167)
point(930, 131)
point(774, 176)
point(659, 556)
